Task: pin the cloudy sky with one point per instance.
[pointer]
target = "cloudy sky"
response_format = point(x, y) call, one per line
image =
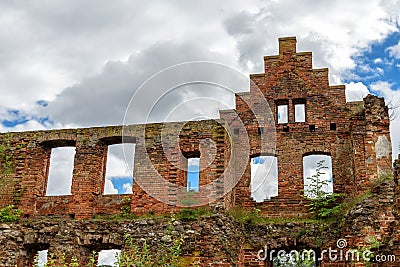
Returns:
point(78, 63)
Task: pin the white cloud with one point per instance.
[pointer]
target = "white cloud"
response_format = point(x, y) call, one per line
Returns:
point(193, 161)
point(334, 31)
point(127, 188)
point(60, 171)
point(380, 71)
point(42, 258)
point(109, 188)
point(79, 103)
point(392, 99)
point(394, 51)
point(53, 46)
point(356, 91)
point(120, 160)
point(57, 52)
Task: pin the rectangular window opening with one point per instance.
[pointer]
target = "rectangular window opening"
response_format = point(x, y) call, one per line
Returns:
point(119, 169)
point(283, 113)
point(299, 112)
point(318, 178)
point(333, 126)
point(108, 257)
point(264, 178)
point(193, 174)
point(260, 130)
point(59, 180)
point(312, 127)
point(236, 131)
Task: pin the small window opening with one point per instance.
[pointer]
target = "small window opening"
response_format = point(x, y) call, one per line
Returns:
point(299, 109)
point(283, 113)
point(41, 258)
point(299, 112)
point(333, 126)
point(193, 174)
point(312, 127)
point(236, 131)
point(59, 179)
point(119, 169)
point(260, 130)
point(108, 257)
point(264, 178)
point(318, 178)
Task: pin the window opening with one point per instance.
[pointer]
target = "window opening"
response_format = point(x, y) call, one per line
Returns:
point(283, 113)
point(41, 258)
point(318, 178)
point(61, 167)
point(119, 169)
point(108, 257)
point(193, 174)
point(264, 178)
point(299, 112)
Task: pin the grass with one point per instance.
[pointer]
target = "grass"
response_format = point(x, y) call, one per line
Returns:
point(253, 216)
point(192, 214)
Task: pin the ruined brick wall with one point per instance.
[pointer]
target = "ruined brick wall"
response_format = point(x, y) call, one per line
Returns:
point(355, 135)
point(154, 170)
point(212, 240)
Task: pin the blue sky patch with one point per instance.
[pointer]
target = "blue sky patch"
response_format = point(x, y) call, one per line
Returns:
point(17, 118)
point(42, 103)
point(377, 63)
point(193, 174)
point(119, 182)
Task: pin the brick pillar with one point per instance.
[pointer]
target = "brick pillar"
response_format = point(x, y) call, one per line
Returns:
point(378, 151)
point(291, 118)
point(34, 180)
point(87, 179)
